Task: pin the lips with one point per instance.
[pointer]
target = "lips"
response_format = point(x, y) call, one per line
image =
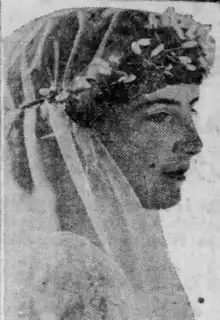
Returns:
point(176, 174)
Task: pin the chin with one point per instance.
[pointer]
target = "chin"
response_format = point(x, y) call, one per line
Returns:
point(169, 202)
point(169, 196)
point(161, 197)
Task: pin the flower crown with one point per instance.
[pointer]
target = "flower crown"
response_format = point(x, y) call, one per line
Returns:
point(194, 53)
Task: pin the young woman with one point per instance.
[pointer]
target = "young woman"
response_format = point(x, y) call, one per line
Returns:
point(99, 134)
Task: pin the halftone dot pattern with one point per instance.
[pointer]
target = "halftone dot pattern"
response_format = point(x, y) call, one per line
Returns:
point(74, 38)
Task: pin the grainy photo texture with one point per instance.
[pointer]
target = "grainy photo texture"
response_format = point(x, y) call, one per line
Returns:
point(99, 135)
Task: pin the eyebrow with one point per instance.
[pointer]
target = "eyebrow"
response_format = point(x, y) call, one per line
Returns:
point(166, 101)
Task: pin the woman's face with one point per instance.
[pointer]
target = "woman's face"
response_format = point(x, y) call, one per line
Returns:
point(154, 141)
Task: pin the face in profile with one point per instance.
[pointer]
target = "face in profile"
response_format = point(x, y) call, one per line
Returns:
point(154, 142)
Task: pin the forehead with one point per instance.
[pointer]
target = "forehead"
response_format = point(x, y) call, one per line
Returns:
point(183, 93)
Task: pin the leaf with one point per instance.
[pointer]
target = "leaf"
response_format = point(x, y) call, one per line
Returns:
point(80, 83)
point(62, 96)
point(204, 62)
point(105, 70)
point(136, 48)
point(127, 78)
point(203, 31)
point(179, 31)
point(191, 31)
point(144, 42)
point(95, 69)
point(158, 49)
point(185, 59)
point(190, 67)
point(189, 44)
point(114, 59)
point(100, 62)
point(99, 66)
point(169, 67)
point(168, 73)
point(44, 92)
point(153, 21)
point(121, 73)
point(46, 136)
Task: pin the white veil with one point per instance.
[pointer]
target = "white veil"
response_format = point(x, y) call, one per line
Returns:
point(131, 236)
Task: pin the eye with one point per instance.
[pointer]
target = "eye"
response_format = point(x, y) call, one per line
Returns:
point(194, 111)
point(158, 117)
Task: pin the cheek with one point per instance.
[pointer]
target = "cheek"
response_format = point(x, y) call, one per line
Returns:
point(151, 138)
point(154, 142)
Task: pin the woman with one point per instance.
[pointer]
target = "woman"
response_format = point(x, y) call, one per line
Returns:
point(99, 135)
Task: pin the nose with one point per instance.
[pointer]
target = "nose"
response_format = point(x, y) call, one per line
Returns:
point(190, 145)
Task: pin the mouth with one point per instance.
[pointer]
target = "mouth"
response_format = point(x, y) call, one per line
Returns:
point(178, 175)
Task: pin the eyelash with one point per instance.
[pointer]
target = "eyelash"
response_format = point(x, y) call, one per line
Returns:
point(194, 111)
point(160, 117)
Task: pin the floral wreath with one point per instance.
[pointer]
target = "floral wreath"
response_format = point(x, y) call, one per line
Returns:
point(194, 53)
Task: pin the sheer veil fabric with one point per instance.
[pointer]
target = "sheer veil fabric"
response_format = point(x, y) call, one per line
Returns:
point(112, 219)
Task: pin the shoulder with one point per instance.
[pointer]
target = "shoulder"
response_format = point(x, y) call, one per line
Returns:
point(70, 265)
